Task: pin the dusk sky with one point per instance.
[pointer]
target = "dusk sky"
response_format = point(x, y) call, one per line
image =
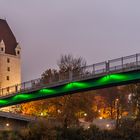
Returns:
point(97, 30)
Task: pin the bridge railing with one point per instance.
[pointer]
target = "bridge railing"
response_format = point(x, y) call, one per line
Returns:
point(122, 64)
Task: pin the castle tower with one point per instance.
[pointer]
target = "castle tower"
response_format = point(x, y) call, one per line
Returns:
point(10, 67)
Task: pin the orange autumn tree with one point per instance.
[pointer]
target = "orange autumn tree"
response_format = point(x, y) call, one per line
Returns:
point(109, 100)
point(39, 108)
point(100, 105)
point(66, 107)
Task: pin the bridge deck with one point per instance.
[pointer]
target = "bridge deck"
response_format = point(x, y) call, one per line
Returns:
point(109, 72)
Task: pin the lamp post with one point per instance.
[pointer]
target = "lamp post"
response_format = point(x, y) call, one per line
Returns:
point(117, 112)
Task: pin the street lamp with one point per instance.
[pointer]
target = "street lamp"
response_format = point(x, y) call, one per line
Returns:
point(100, 118)
point(59, 111)
point(107, 125)
point(117, 112)
point(7, 124)
point(85, 114)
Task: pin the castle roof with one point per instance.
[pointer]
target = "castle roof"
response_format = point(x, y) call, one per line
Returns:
point(8, 37)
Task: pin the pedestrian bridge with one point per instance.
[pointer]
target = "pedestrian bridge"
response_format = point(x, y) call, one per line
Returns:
point(109, 73)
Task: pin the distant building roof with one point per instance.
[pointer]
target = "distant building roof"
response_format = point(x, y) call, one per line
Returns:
point(8, 37)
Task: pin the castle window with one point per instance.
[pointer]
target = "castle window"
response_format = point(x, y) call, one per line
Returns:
point(7, 89)
point(2, 49)
point(8, 68)
point(7, 77)
point(18, 52)
point(8, 60)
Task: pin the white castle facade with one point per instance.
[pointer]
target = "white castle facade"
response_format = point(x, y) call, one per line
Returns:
point(10, 60)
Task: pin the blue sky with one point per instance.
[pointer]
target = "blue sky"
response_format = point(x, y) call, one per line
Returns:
point(94, 29)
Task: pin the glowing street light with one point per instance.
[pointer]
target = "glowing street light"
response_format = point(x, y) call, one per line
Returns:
point(100, 118)
point(107, 125)
point(59, 111)
point(85, 114)
point(7, 124)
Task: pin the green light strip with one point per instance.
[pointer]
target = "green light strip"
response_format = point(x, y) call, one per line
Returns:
point(47, 91)
point(71, 88)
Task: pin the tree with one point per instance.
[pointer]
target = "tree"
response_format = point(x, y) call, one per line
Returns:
point(68, 62)
point(50, 75)
point(115, 102)
point(134, 90)
point(110, 95)
point(65, 108)
point(71, 104)
point(100, 105)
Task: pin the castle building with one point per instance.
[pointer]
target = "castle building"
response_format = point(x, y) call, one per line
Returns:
point(10, 52)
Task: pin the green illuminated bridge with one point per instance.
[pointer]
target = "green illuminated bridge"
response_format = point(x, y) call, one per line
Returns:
point(109, 73)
